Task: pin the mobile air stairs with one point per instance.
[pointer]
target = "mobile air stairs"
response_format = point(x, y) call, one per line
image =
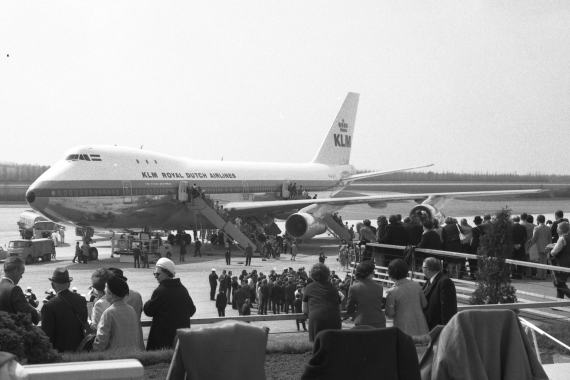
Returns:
point(336, 229)
point(207, 211)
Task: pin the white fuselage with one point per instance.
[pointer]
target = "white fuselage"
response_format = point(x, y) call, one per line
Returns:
point(117, 187)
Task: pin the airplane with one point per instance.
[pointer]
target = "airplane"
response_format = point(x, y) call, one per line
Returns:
point(114, 188)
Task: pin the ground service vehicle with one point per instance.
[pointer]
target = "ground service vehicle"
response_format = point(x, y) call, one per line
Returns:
point(3, 254)
point(35, 226)
point(32, 250)
point(124, 247)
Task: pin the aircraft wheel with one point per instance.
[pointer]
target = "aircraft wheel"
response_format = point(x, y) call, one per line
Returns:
point(168, 255)
point(29, 260)
point(93, 253)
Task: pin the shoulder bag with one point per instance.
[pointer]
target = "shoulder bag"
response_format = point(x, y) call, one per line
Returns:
point(461, 234)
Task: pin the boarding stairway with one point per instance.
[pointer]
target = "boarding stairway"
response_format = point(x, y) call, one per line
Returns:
point(336, 229)
point(223, 225)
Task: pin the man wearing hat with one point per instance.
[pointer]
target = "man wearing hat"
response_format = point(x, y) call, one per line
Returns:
point(476, 233)
point(170, 307)
point(213, 278)
point(64, 317)
point(120, 326)
point(134, 298)
point(12, 298)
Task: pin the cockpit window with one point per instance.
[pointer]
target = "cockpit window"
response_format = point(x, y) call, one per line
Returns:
point(83, 157)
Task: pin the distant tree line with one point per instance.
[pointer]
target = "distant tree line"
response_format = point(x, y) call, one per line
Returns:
point(467, 177)
point(12, 172)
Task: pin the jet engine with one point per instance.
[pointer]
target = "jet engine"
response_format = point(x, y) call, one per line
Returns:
point(431, 211)
point(304, 226)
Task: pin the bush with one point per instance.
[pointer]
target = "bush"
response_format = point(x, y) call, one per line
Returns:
point(493, 276)
point(19, 336)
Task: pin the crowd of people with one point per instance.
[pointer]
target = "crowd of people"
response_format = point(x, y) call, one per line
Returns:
point(321, 294)
point(115, 319)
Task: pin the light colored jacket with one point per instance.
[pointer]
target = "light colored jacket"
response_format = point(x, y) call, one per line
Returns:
point(119, 327)
point(404, 303)
point(541, 236)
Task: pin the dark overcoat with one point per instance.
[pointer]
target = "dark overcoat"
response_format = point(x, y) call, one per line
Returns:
point(170, 308)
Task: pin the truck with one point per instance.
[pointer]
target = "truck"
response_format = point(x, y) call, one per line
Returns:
point(35, 226)
point(32, 250)
point(124, 246)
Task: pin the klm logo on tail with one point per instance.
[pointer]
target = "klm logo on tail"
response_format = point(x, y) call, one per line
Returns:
point(342, 140)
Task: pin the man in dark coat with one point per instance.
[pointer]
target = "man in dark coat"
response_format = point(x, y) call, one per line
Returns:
point(440, 294)
point(414, 230)
point(170, 307)
point(395, 235)
point(248, 254)
point(559, 216)
point(276, 294)
point(64, 316)
point(519, 237)
point(137, 257)
point(239, 297)
point(476, 233)
point(263, 298)
point(12, 299)
point(213, 278)
point(430, 240)
point(290, 297)
point(451, 242)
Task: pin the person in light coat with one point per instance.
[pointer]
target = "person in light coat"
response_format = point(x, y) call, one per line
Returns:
point(541, 237)
point(120, 326)
point(405, 301)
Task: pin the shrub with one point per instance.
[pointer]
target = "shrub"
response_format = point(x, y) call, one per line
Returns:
point(19, 336)
point(493, 276)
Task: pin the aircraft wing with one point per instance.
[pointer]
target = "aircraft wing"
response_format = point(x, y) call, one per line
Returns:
point(377, 174)
point(262, 207)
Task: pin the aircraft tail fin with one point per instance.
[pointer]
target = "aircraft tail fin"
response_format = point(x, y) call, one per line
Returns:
point(335, 150)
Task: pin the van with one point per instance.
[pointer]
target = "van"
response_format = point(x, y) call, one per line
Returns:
point(32, 250)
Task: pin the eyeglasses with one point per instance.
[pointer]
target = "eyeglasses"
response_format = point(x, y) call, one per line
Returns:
point(156, 274)
point(425, 268)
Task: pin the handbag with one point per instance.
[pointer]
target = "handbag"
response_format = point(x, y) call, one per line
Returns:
point(87, 343)
point(85, 327)
point(462, 236)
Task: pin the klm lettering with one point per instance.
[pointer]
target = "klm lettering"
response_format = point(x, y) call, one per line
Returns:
point(222, 175)
point(149, 175)
point(171, 175)
point(342, 140)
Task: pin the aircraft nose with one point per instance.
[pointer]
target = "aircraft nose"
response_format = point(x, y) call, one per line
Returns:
point(30, 197)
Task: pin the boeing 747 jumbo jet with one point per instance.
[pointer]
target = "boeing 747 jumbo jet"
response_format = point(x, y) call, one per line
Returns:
point(116, 188)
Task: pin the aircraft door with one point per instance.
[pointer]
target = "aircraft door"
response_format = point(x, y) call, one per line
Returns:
point(182, 194)
point(245, 190)
point(285, 190)
point(127, 192)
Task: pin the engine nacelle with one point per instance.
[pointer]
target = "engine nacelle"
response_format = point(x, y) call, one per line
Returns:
point(431, 211)
point(304, 226)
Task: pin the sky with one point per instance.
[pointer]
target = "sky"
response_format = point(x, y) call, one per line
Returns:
point(466, 85)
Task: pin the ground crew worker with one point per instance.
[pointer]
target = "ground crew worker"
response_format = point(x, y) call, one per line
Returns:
point(145, 257)
point(137, 257)
point(77, 253)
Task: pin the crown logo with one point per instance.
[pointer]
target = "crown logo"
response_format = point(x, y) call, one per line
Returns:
point(343, 126)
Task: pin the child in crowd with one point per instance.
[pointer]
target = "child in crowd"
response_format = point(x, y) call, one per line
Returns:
point(246, 310)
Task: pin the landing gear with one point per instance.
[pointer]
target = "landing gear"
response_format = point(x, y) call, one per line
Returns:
point(93, 253)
